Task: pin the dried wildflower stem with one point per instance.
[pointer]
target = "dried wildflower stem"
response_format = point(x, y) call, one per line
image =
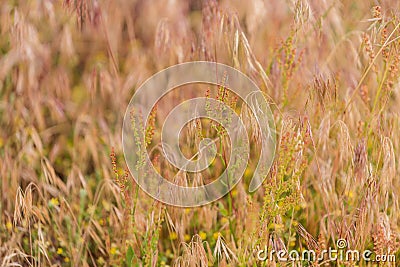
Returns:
point(369, 68)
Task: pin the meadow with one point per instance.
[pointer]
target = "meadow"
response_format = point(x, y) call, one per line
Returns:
point(68, 68)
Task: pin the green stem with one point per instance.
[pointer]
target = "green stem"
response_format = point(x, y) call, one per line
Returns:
point(377, 96)
point(230, 200)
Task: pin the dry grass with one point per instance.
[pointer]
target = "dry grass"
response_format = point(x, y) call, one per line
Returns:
point(69, 68)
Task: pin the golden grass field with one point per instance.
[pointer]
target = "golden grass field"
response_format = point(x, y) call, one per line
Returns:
point(68, 69)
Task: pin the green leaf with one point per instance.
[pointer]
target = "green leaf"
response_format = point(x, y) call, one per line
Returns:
point(129, 256)
point(222, 209)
